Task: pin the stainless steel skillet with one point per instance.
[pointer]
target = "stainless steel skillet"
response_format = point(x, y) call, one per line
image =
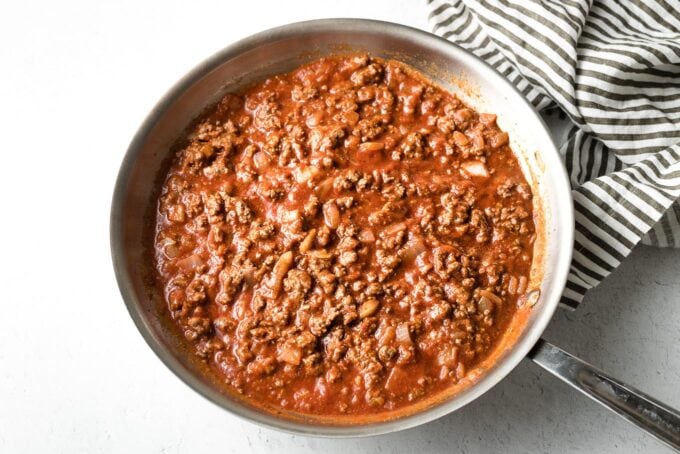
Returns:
point(282, 49)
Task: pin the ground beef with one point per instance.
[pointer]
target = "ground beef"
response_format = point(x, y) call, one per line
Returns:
point(345, 238)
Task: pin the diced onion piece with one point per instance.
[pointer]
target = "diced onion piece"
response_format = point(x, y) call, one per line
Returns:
point(475, 169)
point(331, 215)
point(351, 117)
point(512, 285)
point(169, 247)
point(532, 297)
point(281, 267)
point(304, 174)
point(487, 119)
point(460, 139)
point(499, 139)
point(321, 388)
point(171, 251)
point(368, 308)
point(290, 354)
point(485, 305)
point(190, 263)
point(261, 161)
point(403, 335)
point(308, 242)
point(491, 296)
point(176, 213)
point(414, 247)
point(249, 275)
point(314, 119)
point(321, 254)
point(286, 216)
point(522, 285)
point(167, 241)
point(371, 146)
point(325, 187)
point(396, 379)
point(394, 228)
point(460, 371)
point(441, 179)
point(478, 141)
point(367, 236)
point(448, 357)
point(283, 264)
point(386, 336)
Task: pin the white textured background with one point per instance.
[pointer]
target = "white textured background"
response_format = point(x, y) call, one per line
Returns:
point(77, 78)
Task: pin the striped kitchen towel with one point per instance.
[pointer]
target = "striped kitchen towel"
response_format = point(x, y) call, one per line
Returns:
point(613, 67)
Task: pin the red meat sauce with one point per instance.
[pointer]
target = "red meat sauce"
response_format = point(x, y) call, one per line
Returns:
point(347, 238)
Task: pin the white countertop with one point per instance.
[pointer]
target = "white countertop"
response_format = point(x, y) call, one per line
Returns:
point(76, 376)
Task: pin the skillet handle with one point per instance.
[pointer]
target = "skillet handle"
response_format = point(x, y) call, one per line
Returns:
point(659, 420)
